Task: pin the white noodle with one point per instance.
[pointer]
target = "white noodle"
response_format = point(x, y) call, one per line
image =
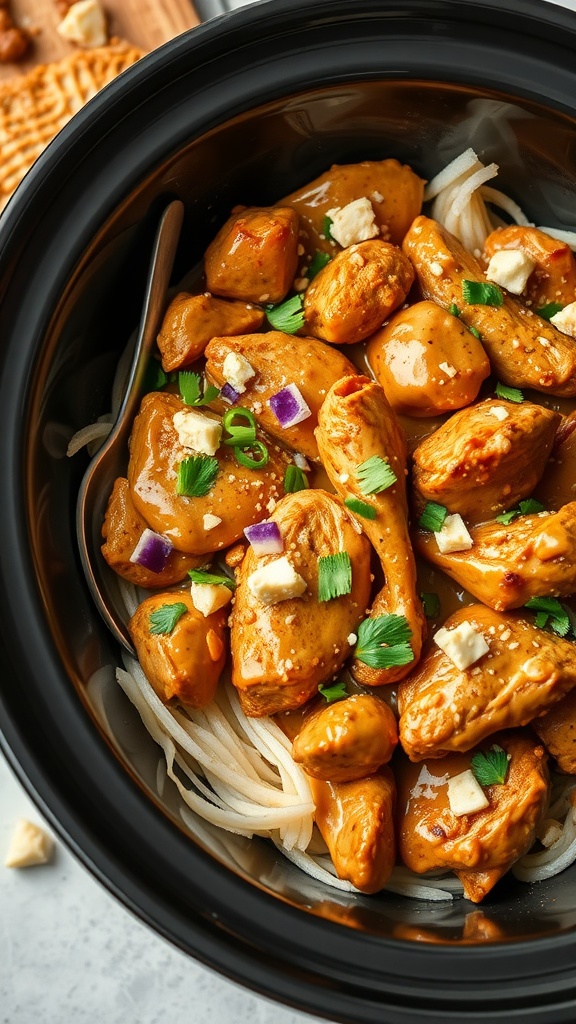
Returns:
point(93, 432)
point(493, 195)
point(448, 175)
point(534, 867)
point(464, 192)
point(563, 236)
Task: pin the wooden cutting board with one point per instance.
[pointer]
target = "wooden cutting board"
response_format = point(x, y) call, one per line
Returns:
point(145, 23)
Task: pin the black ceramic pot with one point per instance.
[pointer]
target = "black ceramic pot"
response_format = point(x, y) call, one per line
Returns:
point(243, 110)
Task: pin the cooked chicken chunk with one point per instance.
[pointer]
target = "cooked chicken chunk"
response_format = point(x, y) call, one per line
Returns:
point(347, 740)
point(352, 296)
point(485, 458)
point(554, 276)
point(533, 556)
point(524, 350)
point(254, 255)
point(279, 360)
point(356, 424)
point(192, 320)
point(523, 674)
point(557, 486)
point(557, 730)
point(122, 529)
point(282, 650)
point(427, 361)
point(184, 664)
point(238, 496)
point(479, 846)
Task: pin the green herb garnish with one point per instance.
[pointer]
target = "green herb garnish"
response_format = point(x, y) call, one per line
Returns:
point(453, 308)
point(334, 692)
point(154, 377)
point(196, 475)
point(549, 310)
point(375, 475)
point(326, 226)
point(319, 261)
point(334, 576)
point(240, 433)
point(475, 332)
point(294, 480)
point(431, 605)
point(509, 394)
point(287, 316)
point(164, 619)
point(433, 517)
point(481, 293)
point(199, 576)
point(361, 508)
point(191, 390)
point(525, 508)
point(557, 617)
point(490, 768)
point(244, 458)
point(384, 642)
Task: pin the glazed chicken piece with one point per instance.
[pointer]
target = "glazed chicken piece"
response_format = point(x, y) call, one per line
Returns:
point(356, 291)
point(347, 740)
point(553, 278)
point(557, 730)
point(192, 320)
point(279, 360)
point(524, 350)
point(254, 255)
point(557, 486)
point(122, 529)
point(480, 846)
point(238, 497)
point(182, 665)
point(523, 673)
point(533, 556)
point(282, 650)
point(427, 361)
point(485, 458)
point(394, 191)
point(356, 424)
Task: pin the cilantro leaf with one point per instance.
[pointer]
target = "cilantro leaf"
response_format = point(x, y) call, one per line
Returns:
point(326, 225)
point(190, 389)
point(525, 508)
point(154, 377)
point(433, 517)
point(196, 475)
point(361, 508)
point(319, 261)
point(475, 332)
point(199, 576)
point(481, 293)
point(287, 316)
point(510, 394)
point(334, 692)
point(559, 620)
point(384, 641)
point(490, 767)
point(453, 308)
point(549, 310)
point(334, 576)
point(431, 605)
point(375, 475)
point(295, 480)
point(164, 619)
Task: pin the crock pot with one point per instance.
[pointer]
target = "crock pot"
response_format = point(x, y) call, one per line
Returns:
point(244, 109)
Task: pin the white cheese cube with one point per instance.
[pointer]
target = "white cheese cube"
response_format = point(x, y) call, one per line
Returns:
point(197, 431)
point(209, 521)
point(453, 536)
point(85, 24)
point(30, 845)
point(463, 645)
point(353, 223)
point(237, 371)
point(209, 597)
point(465, 794)
point(510, 268)
point(276, 581)
point(499, 412)
point(565, 320)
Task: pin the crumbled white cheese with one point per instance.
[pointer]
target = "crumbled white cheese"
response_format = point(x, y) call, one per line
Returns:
point(453, 536)
point(376, 197)
point(499, 412)
point(565, 319)
point(30, 845)
point(301, 461)
point(436, 268)
point(209, 522)
point(209, 597)
point(237, 371)
point(465, 794)
point(351, 639)
point(276, 581)
point(463, 644)
point(84, 23)
point(353, 223)
point(197, 431)
point(448, 369)
point(510, 268)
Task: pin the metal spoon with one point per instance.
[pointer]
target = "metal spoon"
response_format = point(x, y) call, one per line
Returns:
point(109, 461)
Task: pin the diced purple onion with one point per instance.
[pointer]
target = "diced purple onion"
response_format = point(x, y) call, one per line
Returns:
point(289, 406)
point(229, 393)
point(265, 538)
point(152, 551)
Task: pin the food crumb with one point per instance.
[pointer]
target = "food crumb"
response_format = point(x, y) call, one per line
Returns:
point(29, 846)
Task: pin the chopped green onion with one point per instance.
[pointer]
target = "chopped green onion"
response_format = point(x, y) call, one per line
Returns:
point(241, 437)
point(196, 475)
point(164, 619)
point(154, 377)
point(375, 475)
point(190, 389)
point(549, 310)
point(383, 642)
point(229, 417)
point(525, 508)
point(294, 480)
point(287, 316)
point(475, 332)
point(490, 768)
point(481, 293)
point(334, 692)
point(326, 225)
point(550, 606)
point(453, 308)
point(245, 459)
point(433, 517)
point(319, 261)
point(334, 576)
point(431, 605)
point(199, 576)
point(361, 508)
point(509, 394)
